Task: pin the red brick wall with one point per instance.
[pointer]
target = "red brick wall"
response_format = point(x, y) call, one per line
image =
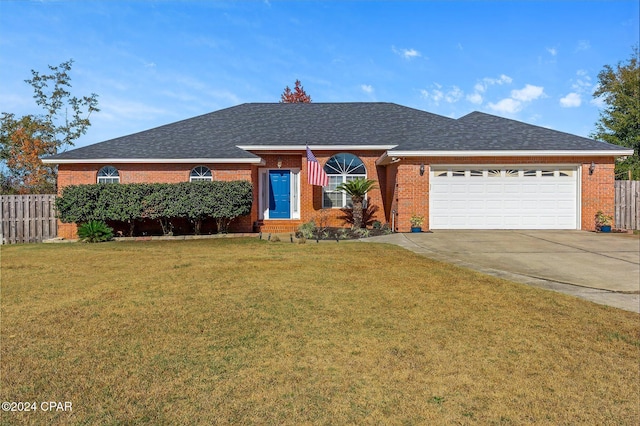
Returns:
point(597, 190)
point(77, 174)
point(400, 186)
point(311, 196)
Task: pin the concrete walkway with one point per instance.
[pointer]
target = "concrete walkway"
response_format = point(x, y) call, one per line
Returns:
point(602, 268)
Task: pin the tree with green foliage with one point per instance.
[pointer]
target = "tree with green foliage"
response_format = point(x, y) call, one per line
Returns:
point(24, 140)
point(357, 189)
point(619, 122)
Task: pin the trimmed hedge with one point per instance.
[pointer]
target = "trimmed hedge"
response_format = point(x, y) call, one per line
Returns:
point(164, 202)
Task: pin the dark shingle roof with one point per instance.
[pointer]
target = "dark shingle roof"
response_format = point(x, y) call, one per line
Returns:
point(478, 131)
point(217, 135)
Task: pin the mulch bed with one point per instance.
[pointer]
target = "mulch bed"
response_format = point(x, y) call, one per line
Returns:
point(345, 233)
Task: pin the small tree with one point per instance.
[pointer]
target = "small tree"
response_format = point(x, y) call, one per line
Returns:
point(24, 140)
point(298, 96)
point(368, 214)
point(357, 189)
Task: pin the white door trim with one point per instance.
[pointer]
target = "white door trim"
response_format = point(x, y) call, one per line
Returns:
point(263, 193)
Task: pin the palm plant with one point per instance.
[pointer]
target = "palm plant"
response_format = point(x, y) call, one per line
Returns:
point(95, 232)
point(357, 189)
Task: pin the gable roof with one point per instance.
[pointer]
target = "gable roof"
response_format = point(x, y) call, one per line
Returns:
point(478, 131)
point(229, 134)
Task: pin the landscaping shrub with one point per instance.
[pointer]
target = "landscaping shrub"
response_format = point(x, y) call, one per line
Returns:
point(95, 232)
point(131, 203)
point(307, 230)
point(159, 205)
point(368, 215)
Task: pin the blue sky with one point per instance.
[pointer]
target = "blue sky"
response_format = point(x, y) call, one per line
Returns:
point(156, 62)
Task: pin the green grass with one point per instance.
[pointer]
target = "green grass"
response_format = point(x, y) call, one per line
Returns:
point(241, 331)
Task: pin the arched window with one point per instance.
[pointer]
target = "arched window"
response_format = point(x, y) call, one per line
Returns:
point(341, 168)
point(108, 174)
point(200, 173)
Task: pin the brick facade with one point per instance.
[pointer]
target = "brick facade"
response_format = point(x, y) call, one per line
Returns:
point(411, 191)
point(400, 187)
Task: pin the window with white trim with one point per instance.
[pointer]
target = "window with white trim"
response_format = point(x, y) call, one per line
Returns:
point(341, 168)
point(200, 173)
point(108, 174)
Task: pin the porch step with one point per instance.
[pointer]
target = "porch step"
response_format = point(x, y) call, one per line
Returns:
point(274, 226)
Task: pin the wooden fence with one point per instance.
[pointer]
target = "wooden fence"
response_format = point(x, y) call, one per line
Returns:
point(27, 218)
point(627, 215)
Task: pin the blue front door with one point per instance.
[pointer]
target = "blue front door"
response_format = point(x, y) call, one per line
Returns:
point(279, 194)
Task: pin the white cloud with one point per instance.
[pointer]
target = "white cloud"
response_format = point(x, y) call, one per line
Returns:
point(508, 106)
point(482, 85)
point(583, 83)
point(437, 93)
point(572, 100)
point(516, 102)
point(454, 95)
point(583, 45)
point(552, 51)
point(406, 53)
point(528, 93)
point(367, 88)
point(503, 79)
point(434, 95)
point(475, 98)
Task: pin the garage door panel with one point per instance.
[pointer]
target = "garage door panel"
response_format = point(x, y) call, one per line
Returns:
point(512, 188)
point(477, 189)
point(529, 189)
point(514, 202)
point(458, 189)
point(458, 204)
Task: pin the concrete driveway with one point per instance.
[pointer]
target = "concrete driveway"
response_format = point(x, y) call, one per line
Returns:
point(604, 268)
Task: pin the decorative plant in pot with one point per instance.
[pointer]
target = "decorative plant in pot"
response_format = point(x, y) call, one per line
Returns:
point(603, 222)
point(416, 223)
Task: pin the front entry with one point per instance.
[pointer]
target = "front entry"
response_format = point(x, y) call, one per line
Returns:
point(279, 194)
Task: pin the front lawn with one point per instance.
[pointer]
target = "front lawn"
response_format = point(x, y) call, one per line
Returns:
point(242, 331)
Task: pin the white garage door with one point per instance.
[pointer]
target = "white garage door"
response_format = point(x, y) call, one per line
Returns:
point(504, 198)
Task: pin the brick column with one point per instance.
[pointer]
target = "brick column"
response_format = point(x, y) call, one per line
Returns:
point(598, 191)
point(412, 194)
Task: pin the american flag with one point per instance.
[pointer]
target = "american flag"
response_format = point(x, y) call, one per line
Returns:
point(315, 172)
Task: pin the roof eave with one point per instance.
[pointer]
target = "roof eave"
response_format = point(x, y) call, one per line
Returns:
point(513, 153)
point(315, 147)
point(257, 161)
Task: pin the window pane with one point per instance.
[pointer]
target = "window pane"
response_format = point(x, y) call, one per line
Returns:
point(343, 167)
point(200, 173)
point(108, 174)
point(344, 163)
